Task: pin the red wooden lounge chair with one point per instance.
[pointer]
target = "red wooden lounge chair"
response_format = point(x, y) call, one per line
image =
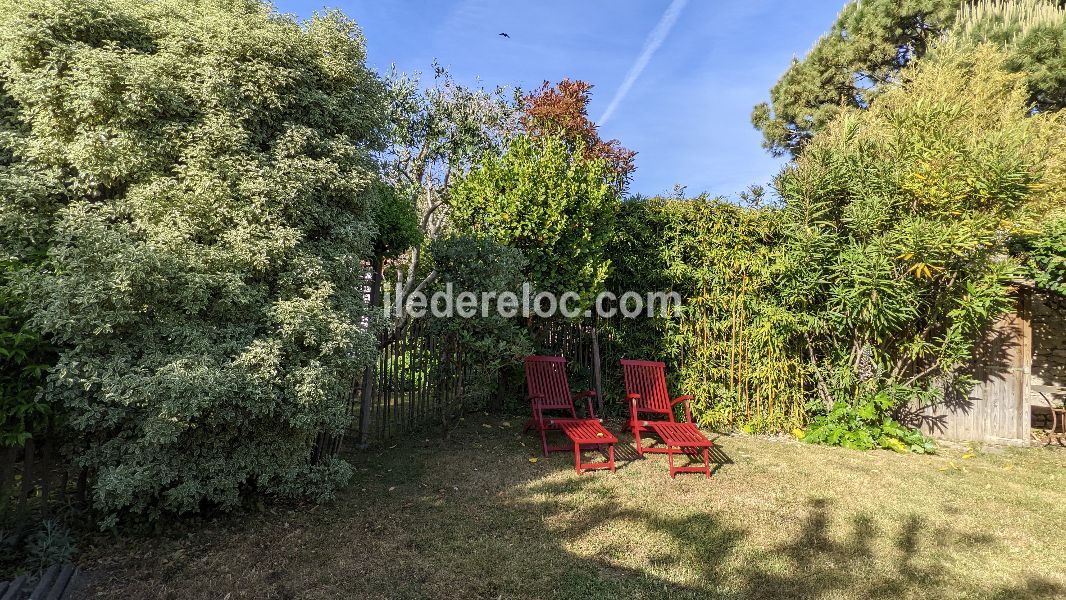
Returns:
point(647, 396)
point(549, 391)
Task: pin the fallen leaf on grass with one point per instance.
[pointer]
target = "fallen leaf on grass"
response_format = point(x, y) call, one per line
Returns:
point(533, 459)
point(951, 466)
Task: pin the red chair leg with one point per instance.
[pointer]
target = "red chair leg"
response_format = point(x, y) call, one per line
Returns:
point(610, 456)
point(707, 461)
point(670, 459)
point(577, 457)
point(636, 435)
point(544, 441)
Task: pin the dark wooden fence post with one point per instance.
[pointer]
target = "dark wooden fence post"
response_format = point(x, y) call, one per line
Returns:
point(596, 375)
point(7, 477)
point(29, 474)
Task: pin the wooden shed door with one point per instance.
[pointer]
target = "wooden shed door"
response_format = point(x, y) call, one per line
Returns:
point(996, 409)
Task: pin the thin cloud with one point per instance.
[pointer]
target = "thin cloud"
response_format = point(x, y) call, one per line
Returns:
point(655, 39)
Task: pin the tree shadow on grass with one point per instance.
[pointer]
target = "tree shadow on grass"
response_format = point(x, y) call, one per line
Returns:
point(473, 518)
point(812, 565)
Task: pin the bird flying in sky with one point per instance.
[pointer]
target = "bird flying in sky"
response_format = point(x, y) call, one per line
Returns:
point(505, 35)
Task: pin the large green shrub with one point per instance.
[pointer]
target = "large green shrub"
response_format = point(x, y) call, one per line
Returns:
point(201, 184)
point(489, 342)
point(897, 220)
point(549, 201)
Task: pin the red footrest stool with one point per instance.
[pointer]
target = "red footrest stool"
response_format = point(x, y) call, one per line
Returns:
point(588, 432)
point(687, 439)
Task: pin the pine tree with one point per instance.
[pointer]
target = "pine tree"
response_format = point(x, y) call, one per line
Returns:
point(871, 41)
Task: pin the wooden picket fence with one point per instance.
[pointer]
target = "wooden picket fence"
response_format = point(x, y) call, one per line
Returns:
point(37, 481)
point(421, 378)
point(418, 382)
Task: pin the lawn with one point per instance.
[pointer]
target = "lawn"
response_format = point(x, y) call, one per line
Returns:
point(472, 517)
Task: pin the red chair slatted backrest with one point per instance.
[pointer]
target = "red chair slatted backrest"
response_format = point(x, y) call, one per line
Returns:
point(546, 377)
point(648, 379)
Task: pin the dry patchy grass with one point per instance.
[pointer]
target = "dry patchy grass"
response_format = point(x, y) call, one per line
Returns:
point(473, 518)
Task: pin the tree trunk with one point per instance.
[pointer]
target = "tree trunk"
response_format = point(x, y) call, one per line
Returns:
point(370, 372)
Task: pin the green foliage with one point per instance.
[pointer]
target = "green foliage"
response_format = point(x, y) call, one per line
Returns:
point(398, 226)
point(437, 131)
point(203, 193)
point(25, 357)
point(731, 347)
point(897, 220)
point(434, 133)
point(51, 544)
point(1044, 255)
point(866, 426)
point(548, 201)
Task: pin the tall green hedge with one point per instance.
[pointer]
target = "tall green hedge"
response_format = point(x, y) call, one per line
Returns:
point(732, 347)
point(198, 176)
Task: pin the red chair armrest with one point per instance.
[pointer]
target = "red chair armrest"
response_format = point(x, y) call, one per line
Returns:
point(688, 407)
point(588, 395)
point(633, 414)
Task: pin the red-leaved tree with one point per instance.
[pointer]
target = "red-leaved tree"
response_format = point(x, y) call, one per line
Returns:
point(563, 109)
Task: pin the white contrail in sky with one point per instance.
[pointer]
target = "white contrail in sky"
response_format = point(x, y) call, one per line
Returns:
point(655, 39)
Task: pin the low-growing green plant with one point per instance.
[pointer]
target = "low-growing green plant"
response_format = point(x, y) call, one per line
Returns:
point(865, 426)
point(50, 544)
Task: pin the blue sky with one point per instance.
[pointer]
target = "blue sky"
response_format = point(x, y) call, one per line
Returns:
point(686, 114)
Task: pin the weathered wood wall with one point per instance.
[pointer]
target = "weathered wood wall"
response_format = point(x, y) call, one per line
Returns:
point(1024, 347)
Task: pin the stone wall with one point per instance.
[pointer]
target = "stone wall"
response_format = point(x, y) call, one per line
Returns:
point(1049, 350)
